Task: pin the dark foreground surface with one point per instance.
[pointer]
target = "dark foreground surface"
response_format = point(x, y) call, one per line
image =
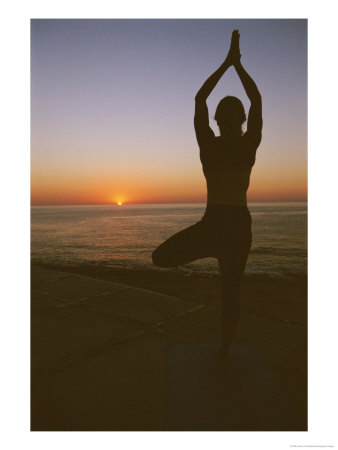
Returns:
point(133, 351)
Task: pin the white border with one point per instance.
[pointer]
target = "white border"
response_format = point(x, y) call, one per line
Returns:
point(15, 221)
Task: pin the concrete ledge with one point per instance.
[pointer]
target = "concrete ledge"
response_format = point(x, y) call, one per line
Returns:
point(243, 397)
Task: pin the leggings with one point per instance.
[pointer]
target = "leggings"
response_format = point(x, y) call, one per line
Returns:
point(224, 233)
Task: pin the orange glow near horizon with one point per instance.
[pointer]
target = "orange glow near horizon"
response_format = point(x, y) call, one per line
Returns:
point(56, 189)
point(170, 183)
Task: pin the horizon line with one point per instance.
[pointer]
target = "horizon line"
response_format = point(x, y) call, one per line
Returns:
point(157, 203)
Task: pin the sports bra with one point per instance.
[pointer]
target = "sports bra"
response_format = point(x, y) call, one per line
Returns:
point(227, 168)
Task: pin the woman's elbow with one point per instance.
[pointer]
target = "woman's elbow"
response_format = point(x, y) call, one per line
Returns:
point(256, 97)
point(200, 97)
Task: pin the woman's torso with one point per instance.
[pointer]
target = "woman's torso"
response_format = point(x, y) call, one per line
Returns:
point(227, 166)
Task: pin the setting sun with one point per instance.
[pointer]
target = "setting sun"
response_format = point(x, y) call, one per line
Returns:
point(119, 203)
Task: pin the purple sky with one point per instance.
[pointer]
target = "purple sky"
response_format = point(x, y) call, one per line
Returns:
point(114, 100)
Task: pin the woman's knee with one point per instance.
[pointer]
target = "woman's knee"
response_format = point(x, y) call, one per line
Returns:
point(159, 258)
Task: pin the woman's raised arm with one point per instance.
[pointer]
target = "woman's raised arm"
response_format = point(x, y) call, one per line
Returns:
point(211, 82)
point(201, 119)
point(255, 121)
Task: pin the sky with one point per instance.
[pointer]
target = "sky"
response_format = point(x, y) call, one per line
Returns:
point(112, 105)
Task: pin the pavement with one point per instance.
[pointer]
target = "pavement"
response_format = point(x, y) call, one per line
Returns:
point(100, 353)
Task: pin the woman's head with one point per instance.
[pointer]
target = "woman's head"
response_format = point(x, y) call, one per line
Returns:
point(230, 115)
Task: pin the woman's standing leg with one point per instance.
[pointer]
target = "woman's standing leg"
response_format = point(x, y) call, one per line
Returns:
point(232, 265)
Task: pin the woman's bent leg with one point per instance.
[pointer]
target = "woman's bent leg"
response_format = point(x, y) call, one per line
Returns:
point(183, 247)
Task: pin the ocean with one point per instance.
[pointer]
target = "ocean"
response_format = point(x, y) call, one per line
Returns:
point(125, 236)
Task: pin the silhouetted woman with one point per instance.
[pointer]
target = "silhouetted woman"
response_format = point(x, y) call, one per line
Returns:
point(225, 229)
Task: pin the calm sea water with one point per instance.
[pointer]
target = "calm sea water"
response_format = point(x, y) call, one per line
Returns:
point(125, 236)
